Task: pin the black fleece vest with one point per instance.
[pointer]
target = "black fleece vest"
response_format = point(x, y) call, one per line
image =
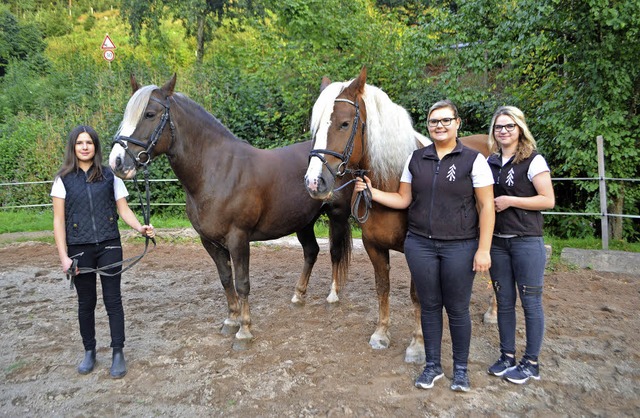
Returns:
point(443, 202)
point(512, 180)
point(90, 209)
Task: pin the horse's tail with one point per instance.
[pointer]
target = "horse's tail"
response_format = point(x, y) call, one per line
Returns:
point(341, 247)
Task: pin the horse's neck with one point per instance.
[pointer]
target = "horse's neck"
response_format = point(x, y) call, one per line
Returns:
point(201, 149)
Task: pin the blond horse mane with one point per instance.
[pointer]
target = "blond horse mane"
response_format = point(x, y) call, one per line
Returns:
point(391, 137)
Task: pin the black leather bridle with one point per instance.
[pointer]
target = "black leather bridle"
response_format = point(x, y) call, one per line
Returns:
point(363, 196)
point(143, 158)
point(348, 149)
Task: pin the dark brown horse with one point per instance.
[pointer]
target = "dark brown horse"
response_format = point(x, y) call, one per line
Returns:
point(357, 127)
point(235, 193)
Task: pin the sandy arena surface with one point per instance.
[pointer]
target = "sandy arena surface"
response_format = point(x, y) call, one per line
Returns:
point(305, 361)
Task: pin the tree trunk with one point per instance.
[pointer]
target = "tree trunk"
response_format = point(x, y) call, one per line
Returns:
point(615, 222)
point(200, 40)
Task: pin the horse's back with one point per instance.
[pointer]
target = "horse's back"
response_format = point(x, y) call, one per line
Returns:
point(479, 142)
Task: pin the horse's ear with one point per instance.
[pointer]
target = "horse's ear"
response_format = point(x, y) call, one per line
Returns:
point(170, 85)
point(359, 83)
point(134, 83)
point(324, 83)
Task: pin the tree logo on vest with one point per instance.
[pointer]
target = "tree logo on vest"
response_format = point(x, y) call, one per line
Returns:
point(510, 177)
point(451, 174)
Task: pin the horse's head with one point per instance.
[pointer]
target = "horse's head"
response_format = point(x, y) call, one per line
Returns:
point(339, 134)
point(142, 134)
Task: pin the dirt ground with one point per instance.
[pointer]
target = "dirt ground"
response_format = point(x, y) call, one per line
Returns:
point(305, 361)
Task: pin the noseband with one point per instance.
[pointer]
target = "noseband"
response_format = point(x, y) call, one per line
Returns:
point(143, 158)
point(348, 149)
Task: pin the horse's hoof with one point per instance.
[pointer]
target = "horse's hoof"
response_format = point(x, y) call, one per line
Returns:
point(333, 298)
point(298, 300)
point(229, 329)
point(415, 358)
point(241, 345)
point(378, 343)
point(490, 318)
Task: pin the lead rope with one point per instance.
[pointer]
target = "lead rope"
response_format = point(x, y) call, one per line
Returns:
point(146, 214)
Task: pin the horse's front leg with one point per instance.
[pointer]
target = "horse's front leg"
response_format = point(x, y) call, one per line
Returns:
point(415, 351)
point(380, 339)
point(310, 249)
point(239, 248)
point(221, 258)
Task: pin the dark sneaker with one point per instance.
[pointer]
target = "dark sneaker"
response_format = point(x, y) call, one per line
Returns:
point(429, 375)
point(523, 372)
point(460, 381)
point(501, 366)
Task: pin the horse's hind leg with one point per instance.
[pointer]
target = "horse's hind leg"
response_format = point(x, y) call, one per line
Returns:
point(340, 248)
point(222, 259)
point(310, 249)
point(380, 259)
point(491, 316)
point(415, 351)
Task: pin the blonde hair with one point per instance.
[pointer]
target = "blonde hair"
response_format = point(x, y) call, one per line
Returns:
point(526, 142)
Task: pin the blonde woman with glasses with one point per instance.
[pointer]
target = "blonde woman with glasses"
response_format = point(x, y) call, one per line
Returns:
point(522, 188)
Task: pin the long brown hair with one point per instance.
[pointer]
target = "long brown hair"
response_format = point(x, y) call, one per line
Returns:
point(70, 162)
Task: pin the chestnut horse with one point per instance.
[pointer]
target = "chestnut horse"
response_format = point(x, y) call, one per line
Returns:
point(235, 193)
point(356, 126)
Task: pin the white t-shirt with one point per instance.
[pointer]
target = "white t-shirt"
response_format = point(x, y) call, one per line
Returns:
point(119, 189)
point(480, 172)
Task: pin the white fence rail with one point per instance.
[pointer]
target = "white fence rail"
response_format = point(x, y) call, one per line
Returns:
point(604, 215)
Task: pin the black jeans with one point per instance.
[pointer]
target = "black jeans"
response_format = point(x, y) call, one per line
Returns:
point(517, 264)
point(442, 272)
point(95, 256)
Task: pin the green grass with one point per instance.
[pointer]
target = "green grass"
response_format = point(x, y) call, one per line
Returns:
point(42, 220)
point(29, 220)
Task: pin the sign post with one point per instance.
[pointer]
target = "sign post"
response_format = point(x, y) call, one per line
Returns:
point(108, 46)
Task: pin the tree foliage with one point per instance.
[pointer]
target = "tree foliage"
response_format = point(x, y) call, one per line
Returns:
point(571, 66)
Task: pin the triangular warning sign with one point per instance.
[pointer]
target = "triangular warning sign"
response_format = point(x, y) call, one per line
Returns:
point(107, 43)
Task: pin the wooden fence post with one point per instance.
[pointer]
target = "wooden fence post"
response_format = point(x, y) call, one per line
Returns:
point(604, 220)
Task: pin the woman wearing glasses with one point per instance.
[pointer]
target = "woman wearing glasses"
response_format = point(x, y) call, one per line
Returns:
point(522, 189)
point(448, 191)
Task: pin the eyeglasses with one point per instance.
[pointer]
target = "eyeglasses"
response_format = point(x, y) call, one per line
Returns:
point(509, 127)
point(444, 121)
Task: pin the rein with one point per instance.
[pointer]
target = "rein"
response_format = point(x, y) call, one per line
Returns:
point(345, 156)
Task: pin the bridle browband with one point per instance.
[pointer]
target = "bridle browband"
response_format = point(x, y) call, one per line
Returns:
point(348, 149)
point(153, 140)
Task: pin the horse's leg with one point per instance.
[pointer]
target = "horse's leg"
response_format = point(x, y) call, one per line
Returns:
point(415, 351)
point(340, 248)
point(310, 249)
point(491, 316)
point(380, 259)
point(221, 258)
point(240, 251)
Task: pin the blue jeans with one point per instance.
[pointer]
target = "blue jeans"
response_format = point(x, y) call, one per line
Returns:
point(518, 263)
point(93, 256)
point(442, 272)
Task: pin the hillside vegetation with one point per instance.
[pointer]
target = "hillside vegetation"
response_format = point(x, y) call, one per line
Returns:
point(257, 65)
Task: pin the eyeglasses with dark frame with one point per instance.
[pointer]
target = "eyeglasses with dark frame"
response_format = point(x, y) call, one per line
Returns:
point(444, 121)
point(509, 127)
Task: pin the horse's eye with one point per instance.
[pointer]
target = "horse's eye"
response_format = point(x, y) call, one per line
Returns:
point(149, 115)
point(345, 125)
